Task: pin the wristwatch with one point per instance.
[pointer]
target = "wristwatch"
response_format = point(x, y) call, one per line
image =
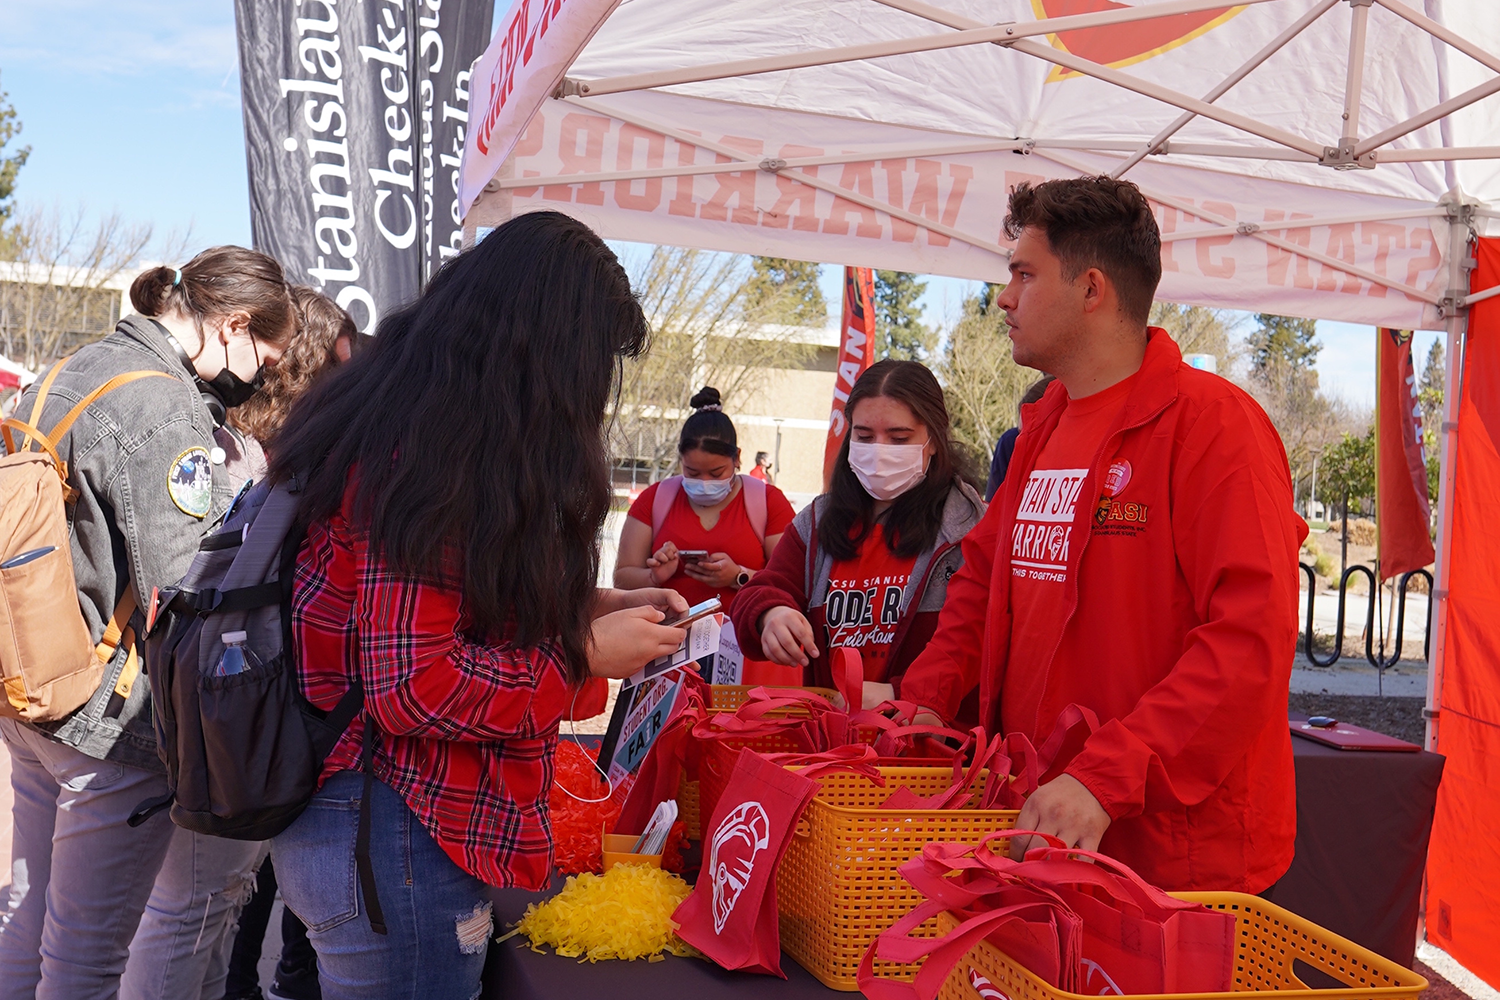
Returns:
point(742, 578)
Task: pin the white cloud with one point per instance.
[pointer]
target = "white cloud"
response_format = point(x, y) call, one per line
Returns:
point(104, 38)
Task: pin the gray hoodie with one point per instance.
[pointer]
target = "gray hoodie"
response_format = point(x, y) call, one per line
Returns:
point(141, 460)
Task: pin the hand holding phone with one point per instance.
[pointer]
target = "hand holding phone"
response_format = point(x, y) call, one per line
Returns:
point(697, 611)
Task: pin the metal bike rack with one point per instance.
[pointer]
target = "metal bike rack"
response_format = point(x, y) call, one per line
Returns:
point(1376, 659)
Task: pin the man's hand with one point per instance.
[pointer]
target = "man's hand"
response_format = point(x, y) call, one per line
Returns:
point(1067, 810)
point(663, 563)
point(668, 602)
point(717, 570)
point(625, 641)
point(786, 637)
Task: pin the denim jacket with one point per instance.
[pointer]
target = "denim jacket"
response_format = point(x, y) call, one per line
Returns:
point(126, 528)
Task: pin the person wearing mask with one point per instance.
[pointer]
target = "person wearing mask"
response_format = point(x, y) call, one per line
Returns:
point(735, 520)
point(150, 481)
point(866, 565)
point(1006, 446)
point(188, 932)
point(1140, 561)
point(762, 470)
point(450, 568)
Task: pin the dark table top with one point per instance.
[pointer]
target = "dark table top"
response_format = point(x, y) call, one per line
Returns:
point(1363, 818)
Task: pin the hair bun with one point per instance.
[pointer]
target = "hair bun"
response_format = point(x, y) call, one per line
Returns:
point(148, 292)
point(706, 397)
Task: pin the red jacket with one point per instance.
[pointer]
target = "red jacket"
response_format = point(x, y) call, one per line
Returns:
point(797, 577)
point(1180, 629)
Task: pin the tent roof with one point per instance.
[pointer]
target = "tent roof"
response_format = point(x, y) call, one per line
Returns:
point(888, 132)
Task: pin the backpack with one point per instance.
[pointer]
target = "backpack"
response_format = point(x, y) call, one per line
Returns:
point(244, 751)
point(47, 661)
point(755, 504)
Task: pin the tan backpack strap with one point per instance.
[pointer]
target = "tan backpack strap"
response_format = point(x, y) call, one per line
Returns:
point(31, 432)
point(41, 397)
point(61, 428)
point(116, 633)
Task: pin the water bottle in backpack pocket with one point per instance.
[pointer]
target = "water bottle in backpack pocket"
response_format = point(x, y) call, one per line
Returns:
point(235, 659)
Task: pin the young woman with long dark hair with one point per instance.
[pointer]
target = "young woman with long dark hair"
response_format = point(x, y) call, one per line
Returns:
point(455, 478)
point(731, 522)
point(867, 564)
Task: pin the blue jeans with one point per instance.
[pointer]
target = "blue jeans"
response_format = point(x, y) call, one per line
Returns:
point(437, 915)
point(79, 876)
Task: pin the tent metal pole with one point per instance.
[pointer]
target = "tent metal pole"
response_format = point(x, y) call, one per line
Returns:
point(1354, 83)
point(1275, 45)
point(1314, 223)
point(930, 225)
point(1488, 293)
point(1440, 155)
point(1264, 234)
point(1429, 116)
point(895, 47)
point(1167, 96)
point(1436, 30)
point(1456, 329)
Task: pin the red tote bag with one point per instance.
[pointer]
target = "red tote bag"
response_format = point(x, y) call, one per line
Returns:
point(1137, 938)
point(731, 914)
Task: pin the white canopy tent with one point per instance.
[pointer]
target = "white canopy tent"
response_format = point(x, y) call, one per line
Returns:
point(1319, 158)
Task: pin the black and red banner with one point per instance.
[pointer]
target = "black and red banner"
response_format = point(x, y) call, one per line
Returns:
point(355, 120)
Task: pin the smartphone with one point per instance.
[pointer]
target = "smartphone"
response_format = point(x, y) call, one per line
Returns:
point(692, 555)
point(26, 557)
point(697, 611)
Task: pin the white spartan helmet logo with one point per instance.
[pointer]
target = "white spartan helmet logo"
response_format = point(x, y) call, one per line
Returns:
point(742, 835)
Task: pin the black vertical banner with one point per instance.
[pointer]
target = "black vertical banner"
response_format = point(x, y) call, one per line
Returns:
point(351, 107)
point(452, 34)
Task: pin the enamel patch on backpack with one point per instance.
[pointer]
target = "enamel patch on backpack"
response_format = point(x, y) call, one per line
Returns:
point(190, 482)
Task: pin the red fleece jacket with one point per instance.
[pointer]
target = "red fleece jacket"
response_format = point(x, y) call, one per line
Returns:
point(1179, 630)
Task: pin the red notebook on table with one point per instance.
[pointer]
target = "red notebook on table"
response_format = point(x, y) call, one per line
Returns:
point(1344, 736)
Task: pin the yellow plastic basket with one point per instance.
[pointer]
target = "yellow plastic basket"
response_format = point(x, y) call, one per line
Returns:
point(728, 698)
point(1269, 941)
point(837, 887)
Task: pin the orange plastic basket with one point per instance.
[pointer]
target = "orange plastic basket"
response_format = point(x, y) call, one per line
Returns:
point(1270, 940)
point(837, 887)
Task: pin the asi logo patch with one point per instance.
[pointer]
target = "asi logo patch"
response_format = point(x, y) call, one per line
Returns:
point(190, 482)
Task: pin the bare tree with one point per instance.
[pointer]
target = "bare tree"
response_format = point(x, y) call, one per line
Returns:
point(1199, 330)
point(982, 384)
point(707, 329)
point(59, 280)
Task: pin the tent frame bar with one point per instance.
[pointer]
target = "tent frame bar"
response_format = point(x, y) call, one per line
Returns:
point(1157, 142)
point(755, 162)
point(1354, 83)
point(1280, 226)
point(875, 50)
point(1456, 328)
point(1264, 235)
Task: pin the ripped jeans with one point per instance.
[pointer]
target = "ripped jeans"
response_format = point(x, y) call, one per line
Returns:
point(437, 915)
point(181, 949)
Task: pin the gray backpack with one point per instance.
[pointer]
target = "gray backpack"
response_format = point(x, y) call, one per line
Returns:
point(243, 751)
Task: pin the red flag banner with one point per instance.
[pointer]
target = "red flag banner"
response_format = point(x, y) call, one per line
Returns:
point(1402, 511)
point(856, 353)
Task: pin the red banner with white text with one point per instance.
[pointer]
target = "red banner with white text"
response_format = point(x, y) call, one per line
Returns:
point(856, 353)
point(1402, 510)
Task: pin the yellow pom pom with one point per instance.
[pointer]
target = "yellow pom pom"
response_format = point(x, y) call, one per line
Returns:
point(624, 913)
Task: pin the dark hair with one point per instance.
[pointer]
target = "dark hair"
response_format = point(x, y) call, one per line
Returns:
point(219, 281)
point(709, 428)
point(1095, 222)
point(471, 430)
point(915, 517)
point(762, 454)
point(1036, 390)
point(310, 352)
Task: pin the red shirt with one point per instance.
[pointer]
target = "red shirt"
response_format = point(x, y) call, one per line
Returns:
point(1043, 534)
point(465, 729)
point(732, 534)
point(863, 606)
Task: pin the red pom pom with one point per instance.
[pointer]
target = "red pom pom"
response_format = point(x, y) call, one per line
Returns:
point(677, 841)
point(576, 825)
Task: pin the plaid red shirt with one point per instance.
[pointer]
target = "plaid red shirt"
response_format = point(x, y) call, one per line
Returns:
point(465, 730)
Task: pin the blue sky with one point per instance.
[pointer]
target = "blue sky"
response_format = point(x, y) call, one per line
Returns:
point(134, 106)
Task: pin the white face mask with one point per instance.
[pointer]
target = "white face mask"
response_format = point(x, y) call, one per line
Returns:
point(707, 492)
point(888, 470)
